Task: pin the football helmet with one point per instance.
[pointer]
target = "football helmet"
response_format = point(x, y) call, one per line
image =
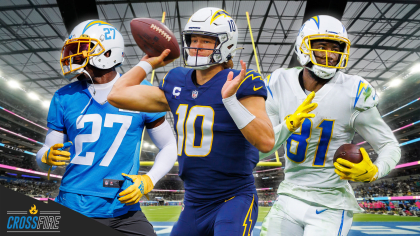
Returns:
point(322, 27)
point(213, 22)
point(88, 43)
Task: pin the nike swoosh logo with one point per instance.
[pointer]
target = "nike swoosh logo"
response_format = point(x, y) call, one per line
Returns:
point(319, 212)
point(255, 89)
point(362, 174)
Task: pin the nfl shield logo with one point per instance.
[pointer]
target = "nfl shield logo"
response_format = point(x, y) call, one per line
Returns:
point(106, 182)
point(194, 94)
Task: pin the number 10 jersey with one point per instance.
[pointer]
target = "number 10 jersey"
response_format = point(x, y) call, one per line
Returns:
point(215, 159)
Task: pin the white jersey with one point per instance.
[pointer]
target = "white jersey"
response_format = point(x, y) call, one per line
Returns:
point(309, 170)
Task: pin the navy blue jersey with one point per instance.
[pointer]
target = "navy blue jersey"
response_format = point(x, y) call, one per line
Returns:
point(215, 159)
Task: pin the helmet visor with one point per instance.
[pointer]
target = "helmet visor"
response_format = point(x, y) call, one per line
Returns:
point(74, 48)
point(76, 52)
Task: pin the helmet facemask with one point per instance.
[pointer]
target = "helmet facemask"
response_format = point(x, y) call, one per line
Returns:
point(75, 54)
point(203, 62)
point(324, 70)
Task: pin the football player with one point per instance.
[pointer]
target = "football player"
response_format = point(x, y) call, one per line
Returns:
point(220, 123)
point(315, 197)
point(101, 180)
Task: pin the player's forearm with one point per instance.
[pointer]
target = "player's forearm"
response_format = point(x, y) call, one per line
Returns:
point(281, 134)
point(133, 77)
point(121, 91)
point(52, 137)
point(139, 98)
point(389, 156)
point(370, 125)
point(259, 133)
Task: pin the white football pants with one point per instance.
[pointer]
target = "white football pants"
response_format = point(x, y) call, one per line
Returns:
point(292, 217)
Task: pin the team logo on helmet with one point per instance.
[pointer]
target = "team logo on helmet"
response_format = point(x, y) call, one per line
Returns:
point(99, 22)
point(218, 14)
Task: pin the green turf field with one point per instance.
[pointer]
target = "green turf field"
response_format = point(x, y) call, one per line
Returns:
point(171, 213)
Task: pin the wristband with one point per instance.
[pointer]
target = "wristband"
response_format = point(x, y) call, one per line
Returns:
point(146, 66)
point(240, 115)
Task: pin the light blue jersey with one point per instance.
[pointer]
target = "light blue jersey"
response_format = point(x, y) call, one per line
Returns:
point(106, 142)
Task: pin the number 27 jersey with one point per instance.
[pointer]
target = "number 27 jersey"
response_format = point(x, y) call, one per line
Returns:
point(215, 159)
point(106, 140)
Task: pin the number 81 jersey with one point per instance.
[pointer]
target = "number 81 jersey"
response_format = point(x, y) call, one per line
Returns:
point(215, 159)
point(309, 170)
point(310, 150)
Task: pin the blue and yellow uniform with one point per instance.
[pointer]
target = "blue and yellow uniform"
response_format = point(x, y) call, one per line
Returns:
point(215, 159)
point(106, 143)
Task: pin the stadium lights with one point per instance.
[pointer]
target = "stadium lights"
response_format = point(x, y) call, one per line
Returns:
point(415, 69)
point(146, 145)
point(33, 96)
point(395, 83)
point(13, 84)
point(46, 104)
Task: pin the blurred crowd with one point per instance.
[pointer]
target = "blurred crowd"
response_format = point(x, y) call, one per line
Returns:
point(404, 208)
point(32, 187)
point(389, 187)
point(22, 162)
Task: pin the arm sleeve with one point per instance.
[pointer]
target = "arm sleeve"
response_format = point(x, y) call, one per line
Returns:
point(370, 125)
point(252, 85)
point(281, 133)
point(53, 137)
point(55, 118)
point(164, 139)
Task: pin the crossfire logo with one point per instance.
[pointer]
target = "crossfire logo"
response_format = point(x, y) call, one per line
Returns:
point(45, 221)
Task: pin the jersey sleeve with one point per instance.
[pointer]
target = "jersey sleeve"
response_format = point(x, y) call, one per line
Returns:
point(252, 85)
point(270, 104)
point(365, 96)
point(55, 119)
point(151, 116)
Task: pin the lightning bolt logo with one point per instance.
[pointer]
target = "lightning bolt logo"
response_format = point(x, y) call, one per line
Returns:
point(250, 219)
point(218, 14)
point(33, 210)
point(99, 22)
point(249, 74)
point(362, 87)
point(316, 19)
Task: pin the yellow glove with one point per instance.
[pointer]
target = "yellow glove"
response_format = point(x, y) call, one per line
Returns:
point(55, 156)
point(294, 121)
point(142, 185)
point(365, 171)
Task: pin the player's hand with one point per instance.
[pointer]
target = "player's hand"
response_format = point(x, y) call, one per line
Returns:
point(365, 171)
point(232, 85)
point(56, 157)
point(142, 185)
point(294, 121)
point(158, 61)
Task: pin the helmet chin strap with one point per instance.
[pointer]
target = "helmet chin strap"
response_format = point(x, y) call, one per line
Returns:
point(94, 90)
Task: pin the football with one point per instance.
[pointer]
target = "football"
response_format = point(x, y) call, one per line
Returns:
point(153, 37)
point(349, 152)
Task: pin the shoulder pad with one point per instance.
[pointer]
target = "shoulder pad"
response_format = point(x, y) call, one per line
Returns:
point(77, 85)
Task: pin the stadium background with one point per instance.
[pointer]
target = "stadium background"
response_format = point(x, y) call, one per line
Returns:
point(385, 37)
